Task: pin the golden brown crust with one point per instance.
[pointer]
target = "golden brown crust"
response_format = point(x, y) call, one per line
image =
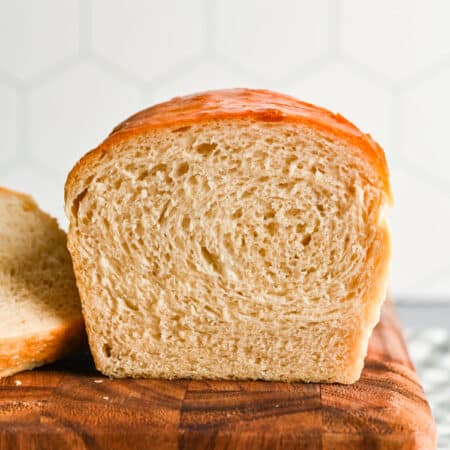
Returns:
point(250, 104)
point(26, 352)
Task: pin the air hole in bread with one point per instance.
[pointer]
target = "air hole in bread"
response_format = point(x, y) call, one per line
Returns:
point(158, 168)
point(269, 214)
point(306, 240)
point(205, 148)
point(106, 350)
point(87, 217)
point(193, 180)
point(107, 225)
point(261, 156)
point(272, 227)
point(237, 214)
point(182, 169)
point(181, 129)
point(247, 193)
point(293, 212)
point(186, 222)
point(212, 259)
point(76, 203)
point(163, 212)
point(286, 186)
point(206, 185)
point(143, 175)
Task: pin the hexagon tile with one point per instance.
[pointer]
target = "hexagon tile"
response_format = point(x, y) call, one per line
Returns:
point(8, 127)
point(425, 126)
point(204, 76)
point(395, 38)
point(337, 88)
point(272, 39)
point(70, 71)
point(36, 35)
point(148, 38)
point(48, 191)
point(420, 240)
point(75, 112)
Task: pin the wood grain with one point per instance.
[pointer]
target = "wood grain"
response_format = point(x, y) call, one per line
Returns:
point(70, 405)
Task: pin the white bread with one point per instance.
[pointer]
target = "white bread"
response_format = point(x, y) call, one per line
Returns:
point(235, 234)
point(40, 312)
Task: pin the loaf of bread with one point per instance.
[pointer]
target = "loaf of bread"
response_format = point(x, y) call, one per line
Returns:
point(233, 234)
point(40, 311)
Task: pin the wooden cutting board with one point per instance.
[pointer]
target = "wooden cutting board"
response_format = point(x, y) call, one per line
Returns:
point(71, 406)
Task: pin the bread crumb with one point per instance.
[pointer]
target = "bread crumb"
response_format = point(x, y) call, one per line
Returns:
point(18, 383)
point(253, 278)
point(105, 398)
point(98, 381)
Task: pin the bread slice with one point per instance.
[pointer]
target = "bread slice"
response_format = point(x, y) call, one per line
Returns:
point(235, 234)
point(40, 312)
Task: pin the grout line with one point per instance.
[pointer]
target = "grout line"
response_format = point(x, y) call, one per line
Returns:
point(174, 72)
point(23, 123)
point(12, 164)
point(232, 65)
point(367, 72)
point(58, 68)
point(313, 66)
point(85, 27)
point(116, 70)
point(334, 44)
point(425, 74)
point(53, 174)
point(396, 125)
point(10, 80)
point(424, 175)
point(210, 26)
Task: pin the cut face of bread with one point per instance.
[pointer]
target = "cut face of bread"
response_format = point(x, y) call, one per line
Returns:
point(40, 312)
point(243, 246)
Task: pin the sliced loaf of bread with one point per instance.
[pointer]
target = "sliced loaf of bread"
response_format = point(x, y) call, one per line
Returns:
point(40, 312)
point(235, 234)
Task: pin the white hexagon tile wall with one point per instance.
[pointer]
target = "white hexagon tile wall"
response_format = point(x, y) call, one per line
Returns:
point(69, 71)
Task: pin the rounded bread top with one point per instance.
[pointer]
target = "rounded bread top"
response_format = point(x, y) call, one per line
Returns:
point(251, 104)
